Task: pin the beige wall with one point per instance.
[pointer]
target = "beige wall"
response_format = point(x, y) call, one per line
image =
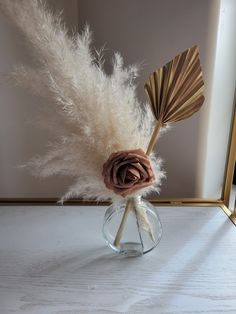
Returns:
point(19, 139)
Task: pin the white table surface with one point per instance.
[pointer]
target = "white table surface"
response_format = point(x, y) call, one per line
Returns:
point(53, 259)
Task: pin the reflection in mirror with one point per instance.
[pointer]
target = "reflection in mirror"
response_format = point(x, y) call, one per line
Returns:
point(232, 202)
point(149, 33)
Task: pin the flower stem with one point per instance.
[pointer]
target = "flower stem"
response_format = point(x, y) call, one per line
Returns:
point(138, 225)
point(154, 137)
point(122, 224)
point(129, 204)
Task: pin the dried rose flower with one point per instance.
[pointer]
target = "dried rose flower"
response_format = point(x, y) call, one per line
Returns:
point(126, 172)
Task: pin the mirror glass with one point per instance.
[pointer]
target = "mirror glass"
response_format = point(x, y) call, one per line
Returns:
point(149, 33)
point(232, 203)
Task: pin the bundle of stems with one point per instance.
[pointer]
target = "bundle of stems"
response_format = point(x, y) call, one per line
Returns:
point(175, 92)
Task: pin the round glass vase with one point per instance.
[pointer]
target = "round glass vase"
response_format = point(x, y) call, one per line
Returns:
point(132, 227)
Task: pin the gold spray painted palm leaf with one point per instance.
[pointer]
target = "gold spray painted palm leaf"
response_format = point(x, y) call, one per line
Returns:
point(175, 91)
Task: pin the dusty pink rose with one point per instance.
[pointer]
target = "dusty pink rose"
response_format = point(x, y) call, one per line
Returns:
point(126, 172)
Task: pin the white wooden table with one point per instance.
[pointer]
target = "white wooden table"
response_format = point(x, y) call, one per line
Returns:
point(53, 259)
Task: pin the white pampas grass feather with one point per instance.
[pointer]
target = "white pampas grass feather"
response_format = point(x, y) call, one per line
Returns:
point(97, 114)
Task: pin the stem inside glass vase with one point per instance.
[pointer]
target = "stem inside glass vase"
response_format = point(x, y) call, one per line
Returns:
point(132, 227)
point(129, 204)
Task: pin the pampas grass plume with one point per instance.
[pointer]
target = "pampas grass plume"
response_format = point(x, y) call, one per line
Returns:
point(98, 113)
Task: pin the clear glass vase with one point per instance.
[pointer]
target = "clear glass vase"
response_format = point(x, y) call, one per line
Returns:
point(132, 227)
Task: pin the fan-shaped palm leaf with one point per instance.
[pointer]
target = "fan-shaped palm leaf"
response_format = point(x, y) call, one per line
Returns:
point(175, 91)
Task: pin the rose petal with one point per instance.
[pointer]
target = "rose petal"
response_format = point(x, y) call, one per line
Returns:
point(133, 173)
point(114, 174)
point(123, 173)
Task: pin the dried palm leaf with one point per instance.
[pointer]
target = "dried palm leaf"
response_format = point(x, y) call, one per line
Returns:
point(175, 91)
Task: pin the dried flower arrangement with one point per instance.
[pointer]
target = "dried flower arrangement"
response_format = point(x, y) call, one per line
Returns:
point(107, 136)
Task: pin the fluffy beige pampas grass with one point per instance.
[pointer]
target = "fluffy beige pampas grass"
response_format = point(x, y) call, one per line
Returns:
point(98, 113)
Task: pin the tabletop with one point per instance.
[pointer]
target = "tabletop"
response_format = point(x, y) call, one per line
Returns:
point(54, 260)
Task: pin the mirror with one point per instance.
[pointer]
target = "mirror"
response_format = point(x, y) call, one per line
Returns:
point(149, 33)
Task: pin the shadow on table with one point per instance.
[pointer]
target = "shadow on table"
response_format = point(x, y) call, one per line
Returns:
point(143, 281)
